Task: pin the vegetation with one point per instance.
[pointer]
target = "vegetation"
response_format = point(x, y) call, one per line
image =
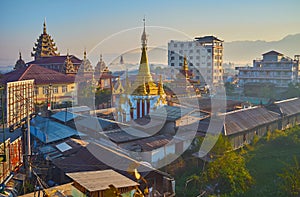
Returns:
point(267, 167)
point(290, 179)
point(293, 90)
point(226, 174)
point(269, 161)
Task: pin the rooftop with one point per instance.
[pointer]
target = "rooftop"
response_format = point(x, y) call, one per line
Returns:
point(100, 180)
point(208, 39)
point(272, 53)
point(55, 60)
point(40, 75)
point(48, 131)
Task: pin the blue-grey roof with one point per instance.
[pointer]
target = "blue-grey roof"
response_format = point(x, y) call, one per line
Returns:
point(64, 116)
point(49, 131)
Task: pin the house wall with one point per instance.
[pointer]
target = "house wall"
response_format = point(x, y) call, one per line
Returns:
point(58, 95)
point(240, 139)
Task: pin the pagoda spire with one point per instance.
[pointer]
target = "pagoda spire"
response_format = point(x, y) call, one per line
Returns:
point(84, 53)
point(45, 46)
point(45, 29)
point(20, 55)
point(20, 63)
point(144, 70)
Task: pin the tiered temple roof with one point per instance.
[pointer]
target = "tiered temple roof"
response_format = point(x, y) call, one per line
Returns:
point(86, 66)
point(45, 46)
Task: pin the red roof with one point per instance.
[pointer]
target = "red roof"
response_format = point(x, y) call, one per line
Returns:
point(55, 60)
point(40, 75)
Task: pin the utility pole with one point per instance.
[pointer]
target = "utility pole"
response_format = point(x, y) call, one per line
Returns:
point(28, 140)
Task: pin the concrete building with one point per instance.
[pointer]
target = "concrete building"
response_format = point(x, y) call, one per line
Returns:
point(205, 57)
point(275, 68)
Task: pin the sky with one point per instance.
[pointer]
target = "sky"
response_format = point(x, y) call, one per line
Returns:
point(76, 25)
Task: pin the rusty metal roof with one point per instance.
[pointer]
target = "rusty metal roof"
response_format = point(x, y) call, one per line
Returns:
point(289, 107)
point(100, 180)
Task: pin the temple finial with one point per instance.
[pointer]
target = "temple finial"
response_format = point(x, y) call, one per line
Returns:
point(68, 57)
point(84, 53)
point(101, 57)
point(44, 29)
point(144, 35)
point(20, 55)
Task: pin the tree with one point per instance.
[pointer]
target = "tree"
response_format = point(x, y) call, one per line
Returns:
point(229, 87)
point(228, 174)
point(290, 179)
point(293, 90)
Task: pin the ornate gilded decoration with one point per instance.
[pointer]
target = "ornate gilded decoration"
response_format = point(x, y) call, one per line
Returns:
point(45, 46)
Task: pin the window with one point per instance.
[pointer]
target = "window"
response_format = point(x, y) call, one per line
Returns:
point(180, 64)
point(36, 90)
point(190, 44)
point(198, 51)
point(190, 64)
point(197, 64)
point(172, 64)
point(171, 52)
point(175, 45)
point(45, 90)
point(172, 58)
point(191, 57)
point(181, 45)
point(64, 89)
point(191, 51)
point(180, 51)
point(198, 57)
point(209, 50)
point(55, 89)
point(180, 57)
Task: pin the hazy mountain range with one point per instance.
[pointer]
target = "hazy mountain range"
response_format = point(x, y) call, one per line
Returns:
point(238, 52)
point(242, 52)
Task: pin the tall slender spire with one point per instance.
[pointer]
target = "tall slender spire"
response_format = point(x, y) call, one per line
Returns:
point(45, 29)
point(84, 53)
point(144, 35)
point(144, 70)
point(20, 55)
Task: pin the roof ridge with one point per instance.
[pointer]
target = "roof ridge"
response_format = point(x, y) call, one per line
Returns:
point(20, 78)
point(286, 100)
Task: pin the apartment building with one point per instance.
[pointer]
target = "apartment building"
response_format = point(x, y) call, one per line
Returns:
point(274, 67)
point(204, 55)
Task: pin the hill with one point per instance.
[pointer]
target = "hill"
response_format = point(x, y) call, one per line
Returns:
point(246, 51)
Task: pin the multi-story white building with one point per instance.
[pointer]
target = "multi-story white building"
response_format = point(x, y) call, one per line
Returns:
point(274, 68)
point(205, 57)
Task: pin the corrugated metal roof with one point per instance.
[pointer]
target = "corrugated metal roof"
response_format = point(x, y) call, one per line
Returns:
point(64, 116)
point(49, 131)
point(239, 120)
point(100, 180)
point(246, 119)
point(171, 113)
point(290, 106)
